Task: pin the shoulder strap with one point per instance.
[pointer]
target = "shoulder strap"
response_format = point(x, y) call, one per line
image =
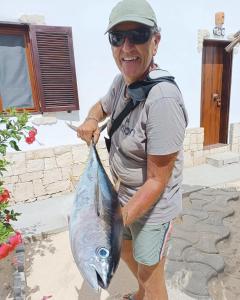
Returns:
point(118, 121)
point(138, 92)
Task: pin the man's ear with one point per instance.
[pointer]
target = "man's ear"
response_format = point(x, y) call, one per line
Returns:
point(157, 39)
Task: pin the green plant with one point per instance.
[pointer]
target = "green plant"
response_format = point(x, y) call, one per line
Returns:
point(13, 127)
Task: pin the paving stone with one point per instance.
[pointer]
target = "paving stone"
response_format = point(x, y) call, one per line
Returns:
point(213, 260)
point(209, 192)
point(176, 248)
point(207, 243)
point(174, 267)
point(200, 214)
point(181, 233)
point(189, 189)
point(216, 218)
point(198, 196)
point(195, 283)
point(189, 220)
point(196, 204)
point(199, 227)
point(192, 278)
point(218, 208)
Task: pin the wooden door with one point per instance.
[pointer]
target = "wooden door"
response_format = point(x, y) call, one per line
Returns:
point(215, 93)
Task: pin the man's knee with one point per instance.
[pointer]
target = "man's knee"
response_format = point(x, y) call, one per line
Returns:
point(146, 272)
point(126, 252)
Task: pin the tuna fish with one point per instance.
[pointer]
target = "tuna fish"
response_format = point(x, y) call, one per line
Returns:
point(95, 225)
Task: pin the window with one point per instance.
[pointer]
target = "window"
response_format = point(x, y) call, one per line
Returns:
point(37, 70)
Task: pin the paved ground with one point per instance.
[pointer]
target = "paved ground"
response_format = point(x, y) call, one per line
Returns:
point(195, 258)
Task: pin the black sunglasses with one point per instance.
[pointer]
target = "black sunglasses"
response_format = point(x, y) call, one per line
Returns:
point(136, 36)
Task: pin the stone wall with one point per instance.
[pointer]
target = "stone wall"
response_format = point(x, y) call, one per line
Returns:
point(234, 137)
point(40, 174)
point(43, 173)
point(194, 151)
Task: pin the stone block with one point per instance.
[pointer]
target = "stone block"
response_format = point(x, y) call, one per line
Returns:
point(16, 156)
point(80, 153)
point(35, 165)
point(52, 175)
point(23, 191)
point(66, 172)
point(64, 159)
point(194, 147)
point(78, 169)
point(193, 139)
point(194, 130)
point(31, 176)
point(11, 179)
point(188, 159)
point(38, 188)
point(50, 163)
point(200, 138)
point(62, 149)
point(59, 186)
point(186, 141)
point(8, 171)
point(42, 153)
point(19, 167)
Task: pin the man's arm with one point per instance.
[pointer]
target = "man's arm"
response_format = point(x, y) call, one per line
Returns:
point(89, 128)
point(159, 171)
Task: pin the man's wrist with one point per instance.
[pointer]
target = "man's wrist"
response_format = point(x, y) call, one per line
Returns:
point(92, 118)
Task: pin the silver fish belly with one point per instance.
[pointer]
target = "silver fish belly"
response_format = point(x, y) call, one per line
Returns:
point(95, 225)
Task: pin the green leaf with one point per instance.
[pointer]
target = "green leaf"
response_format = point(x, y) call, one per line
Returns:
point(3, 148)
point(14, 145)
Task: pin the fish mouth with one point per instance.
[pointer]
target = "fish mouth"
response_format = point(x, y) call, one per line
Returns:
point(101, 282)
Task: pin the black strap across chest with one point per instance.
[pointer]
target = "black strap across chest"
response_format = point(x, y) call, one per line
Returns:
point(138, 92)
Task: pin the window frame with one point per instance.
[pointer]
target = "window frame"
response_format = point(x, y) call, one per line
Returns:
point(13, 29)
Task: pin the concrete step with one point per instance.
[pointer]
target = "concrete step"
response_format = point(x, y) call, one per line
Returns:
point(222, 159)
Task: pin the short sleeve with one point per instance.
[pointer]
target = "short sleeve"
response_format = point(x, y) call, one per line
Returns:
point(165, 126)
point(108, 100)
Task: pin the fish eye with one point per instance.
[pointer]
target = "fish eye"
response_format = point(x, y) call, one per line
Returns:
point(102, 252)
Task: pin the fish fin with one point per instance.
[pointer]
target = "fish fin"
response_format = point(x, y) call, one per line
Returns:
point(98, 199)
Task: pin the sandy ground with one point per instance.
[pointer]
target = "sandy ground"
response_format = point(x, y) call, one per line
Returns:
point(51, 271)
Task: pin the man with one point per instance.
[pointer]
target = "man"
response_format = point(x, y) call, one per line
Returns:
point(146, 157)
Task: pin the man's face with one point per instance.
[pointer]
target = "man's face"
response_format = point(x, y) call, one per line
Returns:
point(134, 60)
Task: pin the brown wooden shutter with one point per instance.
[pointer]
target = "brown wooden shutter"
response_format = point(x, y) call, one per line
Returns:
point(52, 50)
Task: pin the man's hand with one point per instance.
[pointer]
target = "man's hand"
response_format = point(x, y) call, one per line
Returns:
point(88, 130)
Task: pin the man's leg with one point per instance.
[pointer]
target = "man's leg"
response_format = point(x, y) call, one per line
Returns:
point(127, 256)
point(152, 279)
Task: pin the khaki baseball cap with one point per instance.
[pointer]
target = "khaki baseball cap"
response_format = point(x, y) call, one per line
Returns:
point(138, 11)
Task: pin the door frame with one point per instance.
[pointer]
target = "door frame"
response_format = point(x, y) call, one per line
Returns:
point(225, 91)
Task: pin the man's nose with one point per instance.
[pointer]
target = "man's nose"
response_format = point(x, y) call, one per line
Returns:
point(127, 44)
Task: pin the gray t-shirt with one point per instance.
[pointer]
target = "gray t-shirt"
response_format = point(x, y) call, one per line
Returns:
point(157, 127)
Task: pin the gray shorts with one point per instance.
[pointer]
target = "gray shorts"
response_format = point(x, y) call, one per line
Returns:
point(149, 242)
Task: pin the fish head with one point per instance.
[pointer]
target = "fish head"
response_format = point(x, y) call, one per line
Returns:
point(98, 269)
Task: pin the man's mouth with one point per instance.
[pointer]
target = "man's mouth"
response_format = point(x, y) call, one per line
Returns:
point(130, 59)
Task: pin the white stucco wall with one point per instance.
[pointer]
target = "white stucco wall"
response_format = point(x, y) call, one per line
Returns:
point(179, 20)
